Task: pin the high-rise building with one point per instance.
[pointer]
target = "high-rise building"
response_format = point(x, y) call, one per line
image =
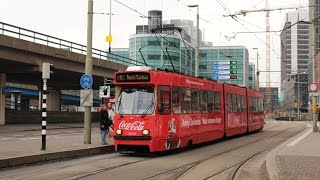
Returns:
point(295, 44)
point(314, 14)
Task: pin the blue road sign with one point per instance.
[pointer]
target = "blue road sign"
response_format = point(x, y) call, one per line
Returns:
point(86, 81)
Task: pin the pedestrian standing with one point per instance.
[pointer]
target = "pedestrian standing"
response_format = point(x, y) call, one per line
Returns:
point(110, 112)
point(105, 122)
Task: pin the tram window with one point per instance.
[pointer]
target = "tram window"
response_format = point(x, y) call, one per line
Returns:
point(254, 109)
point(258, 101)
point(186, 100)
point(230, 103)
point(195, 100)
point(250, 104)
point(164, 100)
point(234, 103)
point(239, 103)
point(176, 105)
point(217, 102)
point(243, 104)
point(210, 101)
point(203, 101)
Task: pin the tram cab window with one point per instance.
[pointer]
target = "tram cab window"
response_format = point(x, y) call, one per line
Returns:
point(195, 100)
point(164, 100)
point(210, 101)
point(176, 104)
point(186, 100)
point(203, 101)
point(217, 102)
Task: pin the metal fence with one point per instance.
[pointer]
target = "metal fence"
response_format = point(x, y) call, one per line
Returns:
point(36, 37)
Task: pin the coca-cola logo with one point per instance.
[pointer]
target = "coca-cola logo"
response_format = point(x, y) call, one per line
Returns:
point(135, 126)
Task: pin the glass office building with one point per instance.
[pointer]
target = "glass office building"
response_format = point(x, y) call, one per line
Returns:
point(157, 52)
point(226, 64)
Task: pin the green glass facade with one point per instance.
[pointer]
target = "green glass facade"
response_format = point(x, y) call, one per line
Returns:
point(227, 64)
point(252, 77)
point(153, 48)
point(154, 51)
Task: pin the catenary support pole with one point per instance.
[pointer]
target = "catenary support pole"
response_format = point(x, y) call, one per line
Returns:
point(88, 70)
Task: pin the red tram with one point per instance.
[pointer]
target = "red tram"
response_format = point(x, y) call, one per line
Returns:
point(159, 111)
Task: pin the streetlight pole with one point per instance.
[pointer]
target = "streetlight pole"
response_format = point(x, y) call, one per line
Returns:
point(314, 64)
point(110, 27)
point(198, 42)
point(257, 85)
point(88, 70)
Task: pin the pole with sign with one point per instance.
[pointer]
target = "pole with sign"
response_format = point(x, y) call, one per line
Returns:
point(86, 100)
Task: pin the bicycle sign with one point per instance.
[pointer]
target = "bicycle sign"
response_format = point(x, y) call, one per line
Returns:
point(86, 81)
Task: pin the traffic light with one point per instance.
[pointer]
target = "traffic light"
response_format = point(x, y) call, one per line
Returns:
point(233, 77)
point(233, 65)
point(46, 70)
point(233, 72)
point(233, 62)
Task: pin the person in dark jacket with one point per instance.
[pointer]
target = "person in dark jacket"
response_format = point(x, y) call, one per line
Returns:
point(105, 122)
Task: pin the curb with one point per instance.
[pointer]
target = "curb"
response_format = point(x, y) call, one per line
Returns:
point(31, 159)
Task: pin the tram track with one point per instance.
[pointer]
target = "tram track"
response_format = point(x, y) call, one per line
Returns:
point(178, 171)
point(184, 169)
point(238, 166)
point(77, 176)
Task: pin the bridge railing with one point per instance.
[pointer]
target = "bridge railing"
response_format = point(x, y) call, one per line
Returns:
point(36, 37)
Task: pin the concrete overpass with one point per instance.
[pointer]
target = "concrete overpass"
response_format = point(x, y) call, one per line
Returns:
point(22, 53)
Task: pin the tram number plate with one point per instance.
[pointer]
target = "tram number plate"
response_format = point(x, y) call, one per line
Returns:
point(132, 133)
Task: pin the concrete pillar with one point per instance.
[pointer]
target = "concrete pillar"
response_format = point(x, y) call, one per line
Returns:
point(2, 98)
point(54, 103)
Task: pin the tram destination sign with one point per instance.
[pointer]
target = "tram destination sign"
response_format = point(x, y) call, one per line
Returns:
point(133, 77)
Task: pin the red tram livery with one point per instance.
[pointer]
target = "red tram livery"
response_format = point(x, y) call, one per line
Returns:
point(159, 111)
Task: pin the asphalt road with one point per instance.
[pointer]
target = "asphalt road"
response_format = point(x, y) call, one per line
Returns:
point(235, 158)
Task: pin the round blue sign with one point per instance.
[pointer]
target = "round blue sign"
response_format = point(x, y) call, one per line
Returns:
point(86, 81)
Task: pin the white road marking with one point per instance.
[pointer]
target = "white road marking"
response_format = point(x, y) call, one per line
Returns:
point(18, 135)
point(300, 138)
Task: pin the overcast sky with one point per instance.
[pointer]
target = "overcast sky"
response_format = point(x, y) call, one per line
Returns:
point(67, 19)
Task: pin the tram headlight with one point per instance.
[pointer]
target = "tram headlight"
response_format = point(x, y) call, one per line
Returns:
point(145, 132)
point(118, 131)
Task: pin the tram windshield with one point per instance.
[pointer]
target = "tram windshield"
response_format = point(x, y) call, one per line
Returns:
point(136, 100)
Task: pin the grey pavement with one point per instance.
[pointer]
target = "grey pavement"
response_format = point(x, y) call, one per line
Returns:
point(19, 149)
point(296, 159)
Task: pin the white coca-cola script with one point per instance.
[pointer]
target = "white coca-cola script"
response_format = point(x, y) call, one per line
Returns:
point(135, 126)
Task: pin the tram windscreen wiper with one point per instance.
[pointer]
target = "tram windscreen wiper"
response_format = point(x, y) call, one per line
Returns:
point(145, 112)
point(120, 108)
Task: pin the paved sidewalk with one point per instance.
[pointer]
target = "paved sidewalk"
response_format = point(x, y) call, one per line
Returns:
point(297, 158)
point(18, 150)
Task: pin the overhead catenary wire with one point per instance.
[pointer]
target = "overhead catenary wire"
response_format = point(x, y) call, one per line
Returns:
point(141, 14)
